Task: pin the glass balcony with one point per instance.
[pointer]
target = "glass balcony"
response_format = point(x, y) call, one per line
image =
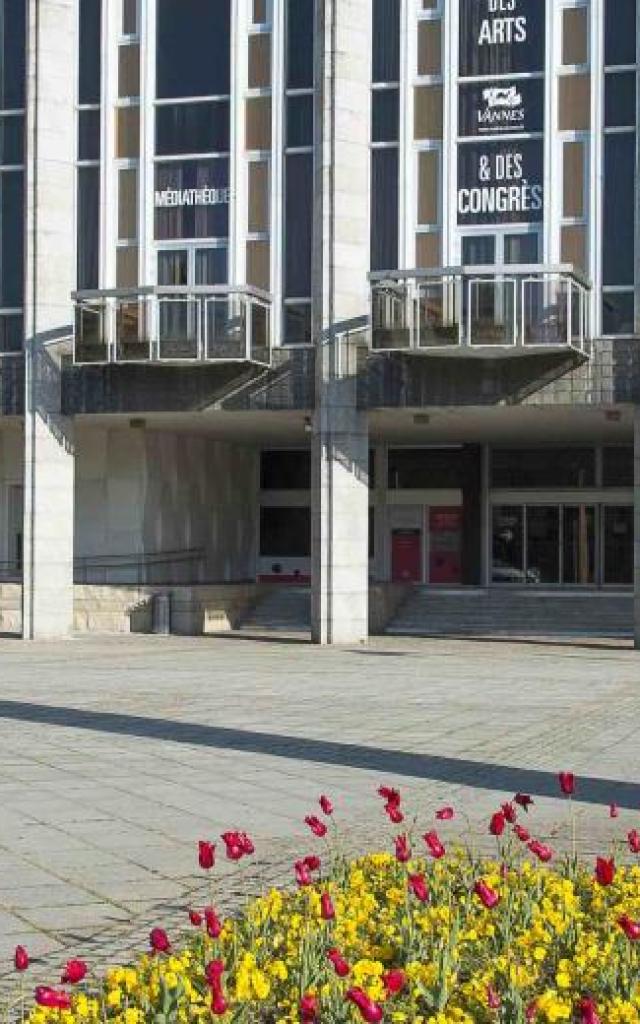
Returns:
point(485, 311)
point(173, 325)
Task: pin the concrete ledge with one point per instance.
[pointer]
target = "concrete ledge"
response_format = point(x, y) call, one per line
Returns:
point(195, 609)
point(11, 608)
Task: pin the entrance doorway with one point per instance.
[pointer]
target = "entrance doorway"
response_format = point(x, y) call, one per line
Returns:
point(445, 545)
point(490, 305)
point(406, 556)
point(180, 327)
point(550, 544)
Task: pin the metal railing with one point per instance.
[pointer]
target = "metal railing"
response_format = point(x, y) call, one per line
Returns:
point(158, 569)
point(173, 324)
point(510, 308)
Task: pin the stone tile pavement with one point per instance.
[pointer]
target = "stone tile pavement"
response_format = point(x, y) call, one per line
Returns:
point(118, 754)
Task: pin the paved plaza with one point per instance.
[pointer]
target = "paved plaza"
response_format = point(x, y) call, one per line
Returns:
point(118, 754)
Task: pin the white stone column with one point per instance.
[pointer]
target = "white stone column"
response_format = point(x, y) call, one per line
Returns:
point(636, 545)
point(49, 281)
point(340, 492)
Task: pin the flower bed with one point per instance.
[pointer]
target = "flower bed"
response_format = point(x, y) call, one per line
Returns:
point(422, 935)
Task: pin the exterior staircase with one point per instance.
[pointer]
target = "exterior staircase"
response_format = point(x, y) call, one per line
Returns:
point(539, 613)
point(281, 610)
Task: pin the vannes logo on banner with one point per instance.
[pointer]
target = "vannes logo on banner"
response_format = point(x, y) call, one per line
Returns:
point(501, 107)
point(501, 36)
point(500, 183)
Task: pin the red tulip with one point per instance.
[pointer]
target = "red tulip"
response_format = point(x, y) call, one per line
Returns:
point(634, 841)
point(159, 940)
point(326, 805)
point(418, 887)
point(206, 855)
point(369, 1011)
point(567, 782)
point(390, 796)
point(531, 1012)
point(218, 1004)
point(20, 959)
point(195, 918)
point(340, 965)
point(588, 1012)
point(523, 800)
point(630, 928)
point(434, 846)
point(509, 812)
point(605, 870)
point(52, 999)
point(493, 999)
point(213, 973)
point(303, 874)
point(523, 835)
point(614, 811)
point(542, 852)
point(394, 981)
point(487, 896)
point(317, 827)
point(395, 815)
point(312, 862)
point(403, 850)
point(74, 972)
point(238, 845)
point(497, 824)
point(214, 925)
point(326, 907)
point(445, 814)
point(309, 1009)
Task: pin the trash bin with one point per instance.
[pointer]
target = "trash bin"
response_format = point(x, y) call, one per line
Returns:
point(161, 614)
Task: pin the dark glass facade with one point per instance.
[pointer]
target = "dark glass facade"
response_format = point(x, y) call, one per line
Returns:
point(385, 134)
point(12, 175)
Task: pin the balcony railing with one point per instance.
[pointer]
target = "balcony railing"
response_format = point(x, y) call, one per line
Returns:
point(173, 324)
point(485, 310)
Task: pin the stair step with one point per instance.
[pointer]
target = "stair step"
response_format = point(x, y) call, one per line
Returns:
point(282, 610)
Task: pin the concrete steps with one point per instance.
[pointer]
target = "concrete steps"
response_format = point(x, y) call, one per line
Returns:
point(282, 610)
point(431, 612)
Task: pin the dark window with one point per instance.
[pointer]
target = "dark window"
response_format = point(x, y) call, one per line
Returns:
point(89, 135)
point(618, 544)
point(386, 41)
point(13, 43)
point(11, 332)
point(88, 226)
point(372, 532)
point(297, 323)
point(285, 470)
point(620, 99)
point(372, 467)
point(300, 18)
point(299, 121)
point(192, 128)
point(619, 209)
point(193, 48)
point(617, 466)
point(384, 209)
point(620, 32)
point(424, 468)
point(385, 115)
point(285, 532)
point(89, 51)
point(129, 17)
point(543, 467)
point(12, 139)
point(212, 266)
point(298, 224)
point(187, 219)
point(11, 238)
point(618, 313)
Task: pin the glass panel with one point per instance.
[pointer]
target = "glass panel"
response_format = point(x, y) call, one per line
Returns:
point(173, 268)
point(419, 468)
point(259, 61)
point(258, 122)
point(429, 62)
point(127, 132)
point(428, 112)
point(508, 544)
point(211, 266)
point(259, 195)
point(193, 48)
point(385, 115)
point(192, 128)
point(574, 102)
point(384, 209)
point(89, 51)
point(11, 238)
point(11, 332)
point(522, 248)
point(619, 209)
point(386, 41)
point(438, 313)
point(491, 305)
point(129, 17)
point(299, 121)
point(88, 244)
point(620, 88)
point(90, 334)
point(428, 186)
point(259, 332)
point(258, 264)
point(620, 32)
point(391, 316)
point(575, 35)
point(13, 40)
point(12, 139)
point(129, 70)
point(297, 323)
point(478, 250)
point(226, 321)
point(178, 328)
point(89, 135)
point(192, 199)
point(573, 246)
point(288, 470)
point(298, 224)
point(300, 33)
point(543, 543)
point(546, 311)
point(617, 466)
point(128, 204)
point(428, 249)
point(132, 340)
point(618, 544)
point(543, 467)
point(573, 179)
point(127, 266)
point(618, 313)
point(578, 545)
point(260, 12)
point(285, 532)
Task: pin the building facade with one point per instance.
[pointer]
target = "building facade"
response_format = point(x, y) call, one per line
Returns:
point(328, 294)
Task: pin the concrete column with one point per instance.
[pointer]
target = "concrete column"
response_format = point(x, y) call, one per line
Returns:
point(637, 526)
point(340, 493)
point(49, 280)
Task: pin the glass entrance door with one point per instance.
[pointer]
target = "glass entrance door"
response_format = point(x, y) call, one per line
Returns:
point(180, 325)
point(544, 544)
point(490, 305)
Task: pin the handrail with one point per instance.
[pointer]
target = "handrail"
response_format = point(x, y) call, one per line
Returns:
point(488, 269)
point(149, 290)
point(139, 566)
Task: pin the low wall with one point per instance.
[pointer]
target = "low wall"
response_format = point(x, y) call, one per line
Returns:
point(11, 608)
point(195, 610)
point(384, 601)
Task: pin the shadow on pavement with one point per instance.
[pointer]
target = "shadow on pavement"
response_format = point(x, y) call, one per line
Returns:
point(394, 763)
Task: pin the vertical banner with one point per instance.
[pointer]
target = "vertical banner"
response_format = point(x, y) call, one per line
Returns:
point(501, 37)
